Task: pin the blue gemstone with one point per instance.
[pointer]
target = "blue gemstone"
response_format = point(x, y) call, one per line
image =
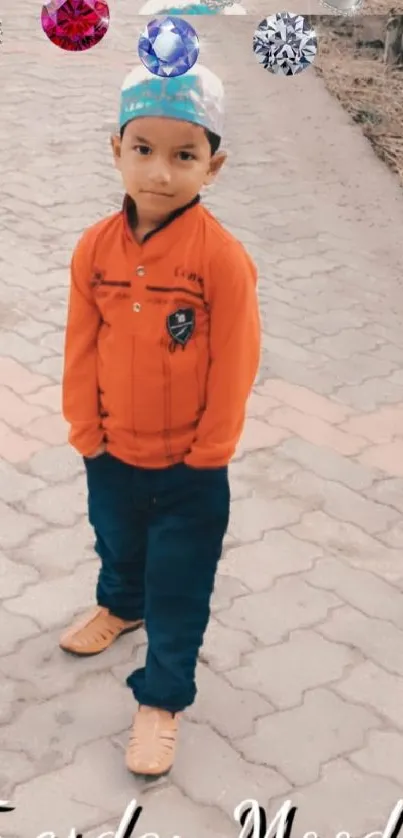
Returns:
point(168, 47)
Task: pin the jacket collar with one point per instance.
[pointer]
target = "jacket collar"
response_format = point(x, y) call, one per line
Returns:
point(130, 216)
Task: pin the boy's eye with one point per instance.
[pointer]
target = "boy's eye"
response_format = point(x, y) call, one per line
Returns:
point(142, 149)
point(186, 155)
point(145, 149)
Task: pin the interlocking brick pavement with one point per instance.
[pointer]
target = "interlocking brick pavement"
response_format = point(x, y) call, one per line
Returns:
point(301, 673)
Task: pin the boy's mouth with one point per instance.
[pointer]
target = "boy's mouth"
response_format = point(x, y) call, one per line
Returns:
point(157, 194)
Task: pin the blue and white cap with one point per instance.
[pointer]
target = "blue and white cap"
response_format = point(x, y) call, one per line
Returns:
point(187, 7)
point(197, 96)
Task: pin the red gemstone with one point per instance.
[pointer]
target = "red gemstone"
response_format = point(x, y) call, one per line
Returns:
point(75, 25)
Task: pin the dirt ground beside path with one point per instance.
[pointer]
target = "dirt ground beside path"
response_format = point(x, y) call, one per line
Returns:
point(355, 73)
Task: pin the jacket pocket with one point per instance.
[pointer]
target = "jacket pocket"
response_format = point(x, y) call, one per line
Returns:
point(175, 290)
point(185, 375)
point(115, 364)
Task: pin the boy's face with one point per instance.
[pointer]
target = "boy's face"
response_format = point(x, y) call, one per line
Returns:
point(164, 163)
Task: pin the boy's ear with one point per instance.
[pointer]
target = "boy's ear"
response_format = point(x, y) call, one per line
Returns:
point(216, 163)
point(116, 145)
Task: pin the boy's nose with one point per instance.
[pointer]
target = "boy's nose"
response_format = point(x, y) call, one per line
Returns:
point(160, 173)
point(160, 179)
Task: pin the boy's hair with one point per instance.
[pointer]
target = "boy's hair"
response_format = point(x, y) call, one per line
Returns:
point(213, 139)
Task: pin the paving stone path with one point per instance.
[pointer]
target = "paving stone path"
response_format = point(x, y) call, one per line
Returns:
point(301, 674)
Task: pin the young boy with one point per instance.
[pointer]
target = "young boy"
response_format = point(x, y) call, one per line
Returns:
point(162, 349)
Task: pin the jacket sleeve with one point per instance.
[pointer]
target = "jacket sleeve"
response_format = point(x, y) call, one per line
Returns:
point(235, 333)
point(80, 384)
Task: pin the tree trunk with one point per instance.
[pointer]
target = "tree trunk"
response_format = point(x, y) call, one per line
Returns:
point(393, 54)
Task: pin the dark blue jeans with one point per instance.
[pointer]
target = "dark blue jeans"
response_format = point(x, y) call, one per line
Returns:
point(159, 536)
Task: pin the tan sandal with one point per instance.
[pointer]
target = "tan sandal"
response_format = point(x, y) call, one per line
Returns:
point(95, 632)
point(152, 744)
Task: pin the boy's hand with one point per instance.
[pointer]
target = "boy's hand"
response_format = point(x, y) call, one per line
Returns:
point(98, 452)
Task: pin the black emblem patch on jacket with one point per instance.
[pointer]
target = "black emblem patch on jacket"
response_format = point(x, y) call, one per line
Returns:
point(181, 325)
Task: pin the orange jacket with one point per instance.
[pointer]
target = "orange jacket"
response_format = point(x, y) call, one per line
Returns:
point(162, 343)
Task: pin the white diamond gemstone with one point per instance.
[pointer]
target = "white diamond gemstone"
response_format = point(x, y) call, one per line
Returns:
point(285, 44)
point(343, 7)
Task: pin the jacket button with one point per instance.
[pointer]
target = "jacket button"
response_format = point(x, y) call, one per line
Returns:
point(140, 271)
point(136, 307)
